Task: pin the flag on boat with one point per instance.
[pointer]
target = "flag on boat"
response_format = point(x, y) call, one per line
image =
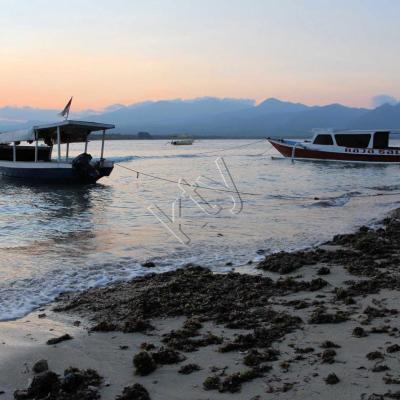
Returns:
point(65, 112)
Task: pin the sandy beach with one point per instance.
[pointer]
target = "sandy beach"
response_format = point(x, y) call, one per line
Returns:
point(320, 323)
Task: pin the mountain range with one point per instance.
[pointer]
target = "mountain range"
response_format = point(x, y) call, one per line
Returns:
point(218, 117)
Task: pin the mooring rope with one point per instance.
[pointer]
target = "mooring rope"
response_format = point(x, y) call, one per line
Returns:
point(231, 148)
point(286, 200)
point(138, 173)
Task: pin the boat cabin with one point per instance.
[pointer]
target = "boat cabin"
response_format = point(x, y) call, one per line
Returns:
point(35, 161)
point(355, 139)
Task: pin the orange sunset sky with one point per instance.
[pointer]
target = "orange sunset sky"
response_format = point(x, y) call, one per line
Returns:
point(104, 52)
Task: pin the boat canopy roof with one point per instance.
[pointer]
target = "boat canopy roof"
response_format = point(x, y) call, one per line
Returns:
point(355, 132)
point(70, 131)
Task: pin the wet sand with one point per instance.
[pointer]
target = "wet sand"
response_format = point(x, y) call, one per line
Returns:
point(322, 323)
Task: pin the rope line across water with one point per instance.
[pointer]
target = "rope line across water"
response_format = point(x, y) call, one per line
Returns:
point(138, 173)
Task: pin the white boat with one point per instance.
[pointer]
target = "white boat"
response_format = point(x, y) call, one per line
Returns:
point(182, 141)
point(34, 163)
point(367, 146)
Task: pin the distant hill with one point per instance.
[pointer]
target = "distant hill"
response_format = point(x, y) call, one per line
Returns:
point(330, 116)
point(217, 117)
point(384, 117)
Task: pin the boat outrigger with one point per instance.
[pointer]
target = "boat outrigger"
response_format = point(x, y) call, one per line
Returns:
point(34, 162)
point(347, 146)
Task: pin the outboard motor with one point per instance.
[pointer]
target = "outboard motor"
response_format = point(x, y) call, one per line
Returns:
point(81, 164)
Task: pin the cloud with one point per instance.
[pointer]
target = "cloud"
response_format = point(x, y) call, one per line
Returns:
point(382, 99)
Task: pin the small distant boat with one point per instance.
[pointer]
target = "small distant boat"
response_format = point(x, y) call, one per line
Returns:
point(347, 146)
point(182, 141)
point(35, 164)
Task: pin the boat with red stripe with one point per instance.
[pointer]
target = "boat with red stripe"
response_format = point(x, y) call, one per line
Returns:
point(372, 146)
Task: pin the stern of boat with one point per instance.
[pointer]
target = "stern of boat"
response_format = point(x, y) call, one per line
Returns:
point(104, 167)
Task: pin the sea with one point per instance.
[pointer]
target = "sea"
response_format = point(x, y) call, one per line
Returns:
point(218, 203)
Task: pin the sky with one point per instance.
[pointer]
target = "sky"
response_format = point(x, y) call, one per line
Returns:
point(124, 51)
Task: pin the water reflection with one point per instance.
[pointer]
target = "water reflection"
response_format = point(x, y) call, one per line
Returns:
point(51, 218)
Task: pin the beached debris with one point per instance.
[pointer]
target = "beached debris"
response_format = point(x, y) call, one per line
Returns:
point(262, 337)
point(392, 395)
point(280, 389)
point(231, 383)
point(375, 355)
point(74, 378)
point(104, 326)
point(321, 316)
point(147, 346)
point(183, 339)
point(328, 344)
point(323, 271)
point(137, 325)
point(332, 379)
point(40, 366)
point(394, 348)
point(42, 385)
point(285, 263)
point(212, 383)
point(380, 368)
point(59, 339)
point(167, 356)
point(254, 357)
point(292, 285)
point(189, 368)
point(375, 396)
point(234, 300)
point(302, 350)
point(75, 384)
point(344, 295)
point(134, 392)
point(144, 363)
point(359, 332)
point(373, 312)
point(390, 380)
point(328, 356)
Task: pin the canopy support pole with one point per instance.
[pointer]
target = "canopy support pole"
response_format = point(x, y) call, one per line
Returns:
point(67, 154)
point(14, 152)
point(86, 143)
point(36, 146)
point(58, 144)
point(102, 145)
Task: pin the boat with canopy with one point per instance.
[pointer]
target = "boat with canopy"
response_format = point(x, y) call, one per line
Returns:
point(183, 140)
point(33, 161)
point(366, 146)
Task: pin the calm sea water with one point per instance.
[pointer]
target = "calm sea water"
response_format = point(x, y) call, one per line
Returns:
point(54, 239)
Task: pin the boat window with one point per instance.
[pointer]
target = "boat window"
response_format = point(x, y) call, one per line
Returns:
point(353, 140)
point(323, 139)
point(381, 140)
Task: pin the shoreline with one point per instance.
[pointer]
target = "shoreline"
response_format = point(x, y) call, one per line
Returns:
point(314, 322)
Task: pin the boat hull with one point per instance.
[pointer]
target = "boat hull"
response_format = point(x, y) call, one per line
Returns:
point(345, 154)
point(51, 173)
point(182, 142)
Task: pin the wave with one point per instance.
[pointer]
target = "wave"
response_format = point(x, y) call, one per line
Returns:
point(21, 296)
point(337, 201)
point(385, 188)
